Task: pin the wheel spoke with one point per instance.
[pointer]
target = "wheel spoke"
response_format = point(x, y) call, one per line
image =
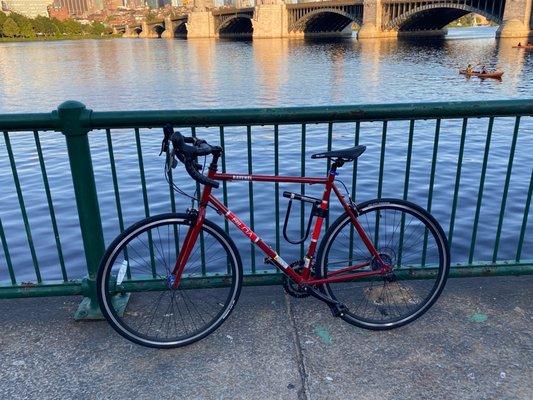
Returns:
point(170, 317)
point(390, 299)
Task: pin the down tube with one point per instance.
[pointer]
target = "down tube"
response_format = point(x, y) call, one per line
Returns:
point(255, 239)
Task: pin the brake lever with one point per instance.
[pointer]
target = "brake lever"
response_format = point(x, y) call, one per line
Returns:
point(164, 146)
point(168, 130)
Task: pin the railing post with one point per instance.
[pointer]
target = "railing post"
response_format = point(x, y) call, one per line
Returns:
point(70, 115)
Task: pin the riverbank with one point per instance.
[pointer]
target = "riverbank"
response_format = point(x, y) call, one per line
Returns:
point(57, 38)
point(472, 344)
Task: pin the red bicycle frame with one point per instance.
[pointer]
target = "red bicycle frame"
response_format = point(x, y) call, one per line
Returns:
point(305, 277)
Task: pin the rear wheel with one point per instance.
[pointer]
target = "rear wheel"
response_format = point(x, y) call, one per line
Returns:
point(136, 269)
point(406, 237)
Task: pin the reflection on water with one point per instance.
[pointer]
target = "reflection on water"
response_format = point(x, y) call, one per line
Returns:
point(168, 74)
point(130, 74)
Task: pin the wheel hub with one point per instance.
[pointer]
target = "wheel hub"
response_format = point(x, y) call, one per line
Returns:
point(386, 259)
point(170, 281)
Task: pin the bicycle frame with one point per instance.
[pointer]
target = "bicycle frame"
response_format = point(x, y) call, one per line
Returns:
point(305, 278)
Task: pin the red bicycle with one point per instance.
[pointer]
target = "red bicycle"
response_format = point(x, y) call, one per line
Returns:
point(181, 274)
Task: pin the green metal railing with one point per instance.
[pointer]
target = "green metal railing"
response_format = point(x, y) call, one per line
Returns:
point(79, 125)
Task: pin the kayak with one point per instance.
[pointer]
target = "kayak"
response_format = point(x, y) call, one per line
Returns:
point(495, 74)
point(529, 46)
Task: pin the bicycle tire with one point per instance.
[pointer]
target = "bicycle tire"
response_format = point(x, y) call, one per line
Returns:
point(379, 294)
point(106, 278)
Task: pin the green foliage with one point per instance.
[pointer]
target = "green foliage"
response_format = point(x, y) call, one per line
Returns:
point(3, 18)
point(150, 17)
point(20, 26)
point(10, 28)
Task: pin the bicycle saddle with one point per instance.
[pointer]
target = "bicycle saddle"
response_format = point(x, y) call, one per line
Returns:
point(349, 154)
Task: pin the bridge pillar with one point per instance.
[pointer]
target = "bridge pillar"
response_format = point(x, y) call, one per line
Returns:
point(271, 19)
point(200, 24)
point(169, 29)
point(128, 33)
point(147, 31)
point(516, 19)
point(371, 27)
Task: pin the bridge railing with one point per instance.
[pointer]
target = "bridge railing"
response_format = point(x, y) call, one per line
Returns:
point(66, 196)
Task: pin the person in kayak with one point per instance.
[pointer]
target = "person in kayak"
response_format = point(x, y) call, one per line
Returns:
point(484, 70)
point(469, 69)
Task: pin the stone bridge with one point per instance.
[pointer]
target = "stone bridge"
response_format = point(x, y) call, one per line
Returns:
point(374, 18)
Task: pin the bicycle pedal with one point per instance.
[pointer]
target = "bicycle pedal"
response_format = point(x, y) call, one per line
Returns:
point(338, 310)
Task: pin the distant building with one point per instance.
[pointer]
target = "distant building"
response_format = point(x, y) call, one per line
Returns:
point(177, 3)
point(98, 5)
point(77, 7)
point(112, 5)
point(134, 3)
point(29, 8)
point(57, 11)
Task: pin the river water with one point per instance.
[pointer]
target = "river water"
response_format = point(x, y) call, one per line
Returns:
point(130, 74)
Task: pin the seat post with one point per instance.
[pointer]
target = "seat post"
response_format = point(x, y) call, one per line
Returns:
point(336, 164)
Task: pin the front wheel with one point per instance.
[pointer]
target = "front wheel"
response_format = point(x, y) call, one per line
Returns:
point(136, 272)
point(410, 240)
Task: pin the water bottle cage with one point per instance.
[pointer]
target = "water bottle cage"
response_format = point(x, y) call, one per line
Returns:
point(315, 211)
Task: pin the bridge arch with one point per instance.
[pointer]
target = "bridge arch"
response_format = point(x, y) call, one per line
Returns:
point(137, 30)
point(180, 28)
point(236, 25)
point(322, 20)
point(158, 29)
point(436, 16)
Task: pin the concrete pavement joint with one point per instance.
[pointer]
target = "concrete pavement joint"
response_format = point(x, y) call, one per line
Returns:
point(304, 393)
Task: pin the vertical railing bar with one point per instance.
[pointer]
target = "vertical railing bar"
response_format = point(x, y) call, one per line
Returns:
point(302, 189)
point(22, 207)
point(457, 180)
point(406, 186)
point(524, 220)
point(145, 197)
point(431, 185)
point(50, 206)
point(380, 177)
point(276, 188)
point(250, 189)
point(505, 189)
point(224, 183)
point(480, 190)
point(115, 180)
point(354, 183)
point(117, 194)
point(224, 186)
point(202, 238)
point(330, 143)
point(7, 255)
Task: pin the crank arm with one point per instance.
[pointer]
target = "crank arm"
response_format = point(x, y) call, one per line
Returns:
point(337, 308)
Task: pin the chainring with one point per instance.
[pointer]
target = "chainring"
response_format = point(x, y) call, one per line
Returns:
point(290, 286)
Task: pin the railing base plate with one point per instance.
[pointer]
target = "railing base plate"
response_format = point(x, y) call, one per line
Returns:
point(89, 310)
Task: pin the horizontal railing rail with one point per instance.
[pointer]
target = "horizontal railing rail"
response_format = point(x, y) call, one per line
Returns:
point(466, 162)
point(267, 116)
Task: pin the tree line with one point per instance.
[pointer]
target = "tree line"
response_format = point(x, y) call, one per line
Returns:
point(18, 26)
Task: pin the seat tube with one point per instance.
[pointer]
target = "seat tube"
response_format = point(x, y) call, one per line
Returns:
point(324, 205)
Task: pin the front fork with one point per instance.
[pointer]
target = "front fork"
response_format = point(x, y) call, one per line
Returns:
point(190, 239)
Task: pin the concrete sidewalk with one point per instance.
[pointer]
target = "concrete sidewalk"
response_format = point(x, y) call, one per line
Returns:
point(475, 343)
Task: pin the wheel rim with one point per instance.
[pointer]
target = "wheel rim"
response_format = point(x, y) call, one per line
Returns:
point(395, 298)
point(144, 259)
